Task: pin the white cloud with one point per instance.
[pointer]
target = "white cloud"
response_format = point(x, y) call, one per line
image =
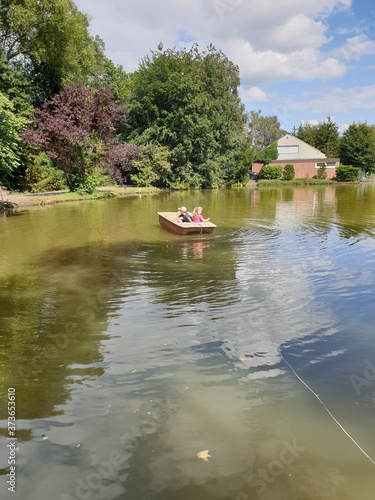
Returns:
point(336, 100)
point(267, 66)
point(297, 31)
point(268, 40)
point(343, 128)
point(310, 122)
point(284, 44)
point(253, 94)
point(355, 48)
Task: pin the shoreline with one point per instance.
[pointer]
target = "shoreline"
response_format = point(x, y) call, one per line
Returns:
point(27, 200)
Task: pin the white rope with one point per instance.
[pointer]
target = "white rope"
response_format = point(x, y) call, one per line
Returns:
point(324, 406)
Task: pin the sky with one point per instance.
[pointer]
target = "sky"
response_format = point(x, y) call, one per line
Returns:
point(301, 60)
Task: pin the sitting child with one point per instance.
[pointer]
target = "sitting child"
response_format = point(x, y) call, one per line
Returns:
point(184, 215)
point(197, 215)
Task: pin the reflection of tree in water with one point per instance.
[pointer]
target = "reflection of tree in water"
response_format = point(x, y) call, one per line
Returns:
point(55, 312)
point(355, 210)
point(54, 316)
point(350, 208)
point(263, 203)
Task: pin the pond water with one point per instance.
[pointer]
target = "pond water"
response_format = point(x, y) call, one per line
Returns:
point(131, 350)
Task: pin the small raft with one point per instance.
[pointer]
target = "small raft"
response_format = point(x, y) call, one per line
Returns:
point(170, 221)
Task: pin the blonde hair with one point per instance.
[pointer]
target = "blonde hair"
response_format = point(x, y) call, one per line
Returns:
point(196, 210)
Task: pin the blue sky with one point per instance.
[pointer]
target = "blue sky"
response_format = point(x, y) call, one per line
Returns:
point(300, 60)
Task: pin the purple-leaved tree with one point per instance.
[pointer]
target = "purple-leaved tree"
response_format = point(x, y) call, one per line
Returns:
point(80, 129)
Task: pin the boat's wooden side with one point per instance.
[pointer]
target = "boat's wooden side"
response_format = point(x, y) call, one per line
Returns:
point(170, 221)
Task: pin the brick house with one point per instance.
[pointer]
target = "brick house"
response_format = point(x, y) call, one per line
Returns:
point(305, 159)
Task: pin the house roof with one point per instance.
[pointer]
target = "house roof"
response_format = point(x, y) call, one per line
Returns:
point(290, 147)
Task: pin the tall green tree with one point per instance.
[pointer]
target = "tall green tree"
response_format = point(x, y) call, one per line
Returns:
point(263, 130)
point(327, 138)
point(357, 146)
point(50, 42)
point(116, 79)
point(307, 133)
point(11, 126)
point(15, 86)
point(188, 101)
point(323, 136)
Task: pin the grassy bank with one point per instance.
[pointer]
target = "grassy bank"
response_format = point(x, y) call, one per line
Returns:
point(42, 199)
point(295, 182)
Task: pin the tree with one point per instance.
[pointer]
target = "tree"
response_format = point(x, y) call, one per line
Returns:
point(323, 136)
point(50, 42)
point(153, 168)
point(327, 138)
point(115, 77)
point(243, 160)
point(357, 147)
point(267, 154)
point(263, 130)
point(189, 103)
point(307, 133)
point(10, 142)
point(15, 87)
point(78, 130)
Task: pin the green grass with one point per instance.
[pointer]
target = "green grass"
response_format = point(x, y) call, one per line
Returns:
point(295, 182)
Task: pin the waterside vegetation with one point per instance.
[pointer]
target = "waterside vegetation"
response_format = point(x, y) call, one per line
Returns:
point(72, 119)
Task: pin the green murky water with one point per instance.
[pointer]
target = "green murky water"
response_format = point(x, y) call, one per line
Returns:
point(131, 349)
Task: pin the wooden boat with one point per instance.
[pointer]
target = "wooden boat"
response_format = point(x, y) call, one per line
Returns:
point(169, 221)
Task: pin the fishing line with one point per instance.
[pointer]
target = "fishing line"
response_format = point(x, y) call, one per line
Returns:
point(321, 402)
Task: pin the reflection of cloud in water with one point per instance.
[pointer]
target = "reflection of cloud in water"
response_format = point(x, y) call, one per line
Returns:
point(278, 301)
point(206, 419)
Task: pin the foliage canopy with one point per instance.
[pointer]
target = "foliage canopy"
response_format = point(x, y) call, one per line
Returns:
point(323, 136)
point(268, 154)
point(347, 173)
point(188, 102)
point(50, 43)
point(357, 146)
point(11, 126)
point(263, 131)
point(77, 129)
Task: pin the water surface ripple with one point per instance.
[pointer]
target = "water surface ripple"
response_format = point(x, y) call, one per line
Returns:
point(132, 349)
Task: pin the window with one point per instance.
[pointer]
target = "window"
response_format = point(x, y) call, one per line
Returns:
point(327, 164)
point(287, 149)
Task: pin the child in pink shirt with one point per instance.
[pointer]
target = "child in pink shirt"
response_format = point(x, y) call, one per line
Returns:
point(197, 215)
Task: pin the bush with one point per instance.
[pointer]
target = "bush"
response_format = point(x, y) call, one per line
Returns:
point(288, 172)
point(347, 173)
point(102, 176)
point(322, 171)
point(41, 175)
point(271, 172)
point(83, 183)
